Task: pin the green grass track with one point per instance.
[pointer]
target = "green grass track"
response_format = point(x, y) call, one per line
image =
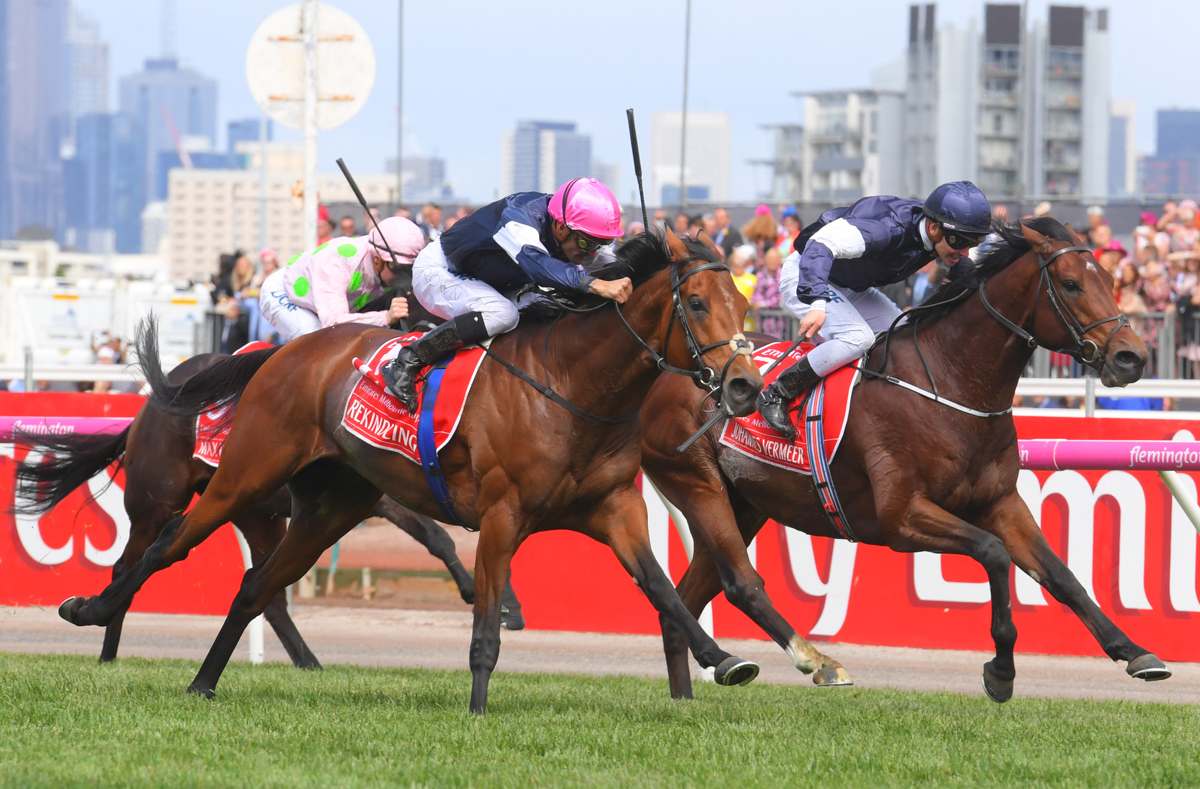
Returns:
point(67, 721)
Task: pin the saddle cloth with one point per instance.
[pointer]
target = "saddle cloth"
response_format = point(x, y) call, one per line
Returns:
point(751, 435)
point(212, 427)
point(374, 415)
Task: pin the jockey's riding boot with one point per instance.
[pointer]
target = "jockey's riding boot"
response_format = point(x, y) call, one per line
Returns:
point(773, 402)
point(400, 374)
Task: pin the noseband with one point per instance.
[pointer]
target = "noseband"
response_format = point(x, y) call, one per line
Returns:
point(704, 377)
point(1085, 351)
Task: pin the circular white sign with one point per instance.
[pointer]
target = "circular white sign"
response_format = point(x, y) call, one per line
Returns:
point(345, 67)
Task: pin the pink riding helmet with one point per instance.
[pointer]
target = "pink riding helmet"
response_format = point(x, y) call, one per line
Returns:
point(402, 236)
point(586, 205)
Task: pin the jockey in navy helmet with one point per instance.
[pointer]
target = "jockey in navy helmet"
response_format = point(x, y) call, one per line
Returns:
point(470, 275)
point(830, 281)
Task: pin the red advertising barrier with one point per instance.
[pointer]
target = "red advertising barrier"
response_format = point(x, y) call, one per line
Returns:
point(71, 550)
point(1121, 533)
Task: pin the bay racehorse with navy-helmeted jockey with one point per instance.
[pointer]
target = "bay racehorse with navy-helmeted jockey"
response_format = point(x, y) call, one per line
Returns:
point(929, 459)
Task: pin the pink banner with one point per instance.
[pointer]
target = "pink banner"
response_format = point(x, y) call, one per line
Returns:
point(1056, 454)
point(12, 426)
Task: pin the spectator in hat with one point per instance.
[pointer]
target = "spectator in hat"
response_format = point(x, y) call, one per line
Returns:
point(791, 229)
point(1095, 215)
point(727, 236)
point(1110, 258)
point(1183, 232)
point(762, 231)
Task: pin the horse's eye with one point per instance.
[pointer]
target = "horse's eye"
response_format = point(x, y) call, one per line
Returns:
point(696, 305)
point(1071, 286)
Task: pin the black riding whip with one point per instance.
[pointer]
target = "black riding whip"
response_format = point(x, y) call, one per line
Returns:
point(637, 165)
point(367, 210)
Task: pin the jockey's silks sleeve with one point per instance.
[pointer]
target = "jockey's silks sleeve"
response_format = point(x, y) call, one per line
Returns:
point(524, 245)
point(841, 239)
point(334, 280)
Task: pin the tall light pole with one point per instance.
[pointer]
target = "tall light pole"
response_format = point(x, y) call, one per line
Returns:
point(400, 113)
point(687, 42)
point(309, 31)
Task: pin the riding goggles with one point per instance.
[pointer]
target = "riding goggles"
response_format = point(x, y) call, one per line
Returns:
point(588, 243)
point(957, 239)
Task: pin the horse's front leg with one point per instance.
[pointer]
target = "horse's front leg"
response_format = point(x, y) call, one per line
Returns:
point(1012, 522)
point(499, 534)
point(620, 521)
point(924, 526)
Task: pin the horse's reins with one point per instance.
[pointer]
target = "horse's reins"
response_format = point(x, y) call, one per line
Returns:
point(1097, 356)
point(703, 376)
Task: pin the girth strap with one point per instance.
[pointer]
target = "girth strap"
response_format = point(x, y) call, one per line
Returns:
point(814, 432)
point(559, 399)
point(427, 442)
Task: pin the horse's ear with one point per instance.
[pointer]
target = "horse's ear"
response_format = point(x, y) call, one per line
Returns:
point(708, 242)
point(679, 250)
point(1080, 241)
point(1040, 243)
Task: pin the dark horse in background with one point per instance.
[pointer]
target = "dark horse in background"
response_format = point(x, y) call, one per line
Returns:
point(519, 462)
point(911, 473)
point(162, 478)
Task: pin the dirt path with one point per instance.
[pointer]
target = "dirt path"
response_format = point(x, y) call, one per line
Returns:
point(440, 639)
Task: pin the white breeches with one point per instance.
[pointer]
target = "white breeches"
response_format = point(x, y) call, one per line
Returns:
point(852, 319)
point(290, 320)
point(448, 294)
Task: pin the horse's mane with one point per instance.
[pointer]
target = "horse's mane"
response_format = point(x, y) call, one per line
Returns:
point(640, 258)
point(1006, 246)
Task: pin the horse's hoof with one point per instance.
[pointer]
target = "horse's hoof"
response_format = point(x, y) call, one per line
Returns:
point(735, 671)
point(512, 619)
point(831, 676)
point(997, 689)
point(69, 610)
point(467, 594)
point(1148, 667)
point(200, 690)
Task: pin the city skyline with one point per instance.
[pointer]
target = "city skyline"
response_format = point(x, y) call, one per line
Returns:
point(450, 109)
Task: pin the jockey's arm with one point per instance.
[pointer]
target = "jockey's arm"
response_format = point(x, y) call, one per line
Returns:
point(841, 239)
point(331, 295)
point(524, 246)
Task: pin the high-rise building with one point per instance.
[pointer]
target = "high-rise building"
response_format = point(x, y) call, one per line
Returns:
point(89, 70)
point(1175, 167)
point(106, 186)
point(1020, 111)
point(1122, 148)
point(245, 130)
point(787, 163)
point(172, 102)
point(851, 145)
point(706, 173)
point(540, 156)
point(34, 113)
point(424, 178)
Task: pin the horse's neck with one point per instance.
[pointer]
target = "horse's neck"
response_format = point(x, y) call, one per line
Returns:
point(597, 364)
point(976, 360)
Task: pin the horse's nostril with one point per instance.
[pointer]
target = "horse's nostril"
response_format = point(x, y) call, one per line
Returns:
point(1128, 359)
point(740, 388)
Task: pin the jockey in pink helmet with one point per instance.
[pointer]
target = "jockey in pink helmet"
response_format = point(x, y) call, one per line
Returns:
point(470, 275)
point(332, 284)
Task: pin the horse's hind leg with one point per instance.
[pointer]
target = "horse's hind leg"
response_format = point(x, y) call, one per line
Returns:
point(1012, 523)
point(621, 522)
point(435, 539)
point(263, 533)
point(331, 499)
point(924, 526)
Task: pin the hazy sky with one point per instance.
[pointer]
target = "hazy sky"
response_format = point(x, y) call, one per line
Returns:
point(472, 68)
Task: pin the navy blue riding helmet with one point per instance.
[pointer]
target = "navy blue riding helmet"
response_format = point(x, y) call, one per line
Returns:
point(962, 211)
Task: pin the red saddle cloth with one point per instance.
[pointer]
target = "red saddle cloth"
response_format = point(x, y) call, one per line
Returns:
point(212, 427)
point(375, 415)
point(751, 435)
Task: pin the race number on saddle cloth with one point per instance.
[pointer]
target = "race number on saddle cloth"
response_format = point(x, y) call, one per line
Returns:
point(374, 415)
point(752, 436)
point(212, 427)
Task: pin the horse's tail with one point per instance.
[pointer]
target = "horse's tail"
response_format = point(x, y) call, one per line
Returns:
point(221, 383)
point(70, 461)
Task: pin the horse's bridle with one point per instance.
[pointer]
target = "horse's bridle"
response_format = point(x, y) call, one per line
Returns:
point(704, 377)
point(1085, 351)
